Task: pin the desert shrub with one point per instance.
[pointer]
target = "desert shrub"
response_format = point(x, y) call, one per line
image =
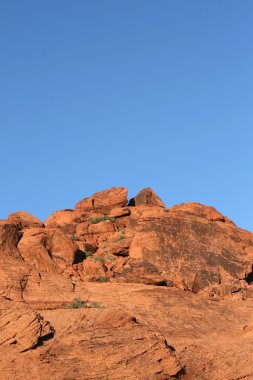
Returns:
point(95, 305)
point(88, 254)
point(80, 304)
point(110, 257)
point(77, 304)
point(99, 258)
point(120, 237)
point(103, 279)
point(98, 219)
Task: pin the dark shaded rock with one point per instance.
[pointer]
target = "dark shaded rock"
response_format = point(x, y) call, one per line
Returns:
point(146, 196)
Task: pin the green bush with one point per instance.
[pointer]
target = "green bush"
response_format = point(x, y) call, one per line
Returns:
point(88, 254)
point(110, 257)
point(80, 304)
point(99, 219)
point(77, 304)
point(120, 237)
point(95, 305)
point(99, 258)
point(103, 279)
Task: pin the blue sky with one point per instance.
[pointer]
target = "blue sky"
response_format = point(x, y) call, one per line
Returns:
point(136, 93)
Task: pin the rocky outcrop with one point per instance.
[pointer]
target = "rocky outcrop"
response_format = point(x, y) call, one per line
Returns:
point(104, 201)
point(133, 290)
point(21, 326)
point(48, 250)
point(24, 219)
point(146, 197)
point(9, 238)
point(191, 245)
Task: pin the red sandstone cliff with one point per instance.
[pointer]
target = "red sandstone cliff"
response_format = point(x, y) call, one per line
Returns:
point(118, 289)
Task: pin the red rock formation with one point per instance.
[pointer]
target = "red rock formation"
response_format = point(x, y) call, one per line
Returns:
point(24, 219)
point(104, 200)
point(109, 291)
point(146, 197)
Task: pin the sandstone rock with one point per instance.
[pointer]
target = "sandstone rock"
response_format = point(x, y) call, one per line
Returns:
point(118, 212)
point(104, 200)
point(183, 245)
point(48, 250)
point(9, 238)
point(65, 218)
point(82, 229)
point(146, 196)
point(201, 211)
point(98, 334)
point(119, 246)
point(24, 219)
point(142, 273)
point(92, 269)
point(20, 325)
point(151, 285)
point(47, 290)
point(101, 228)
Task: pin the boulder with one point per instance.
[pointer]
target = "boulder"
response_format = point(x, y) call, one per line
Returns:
point(200, 211)
point(24, 220)
point(9, 238)
point(21, 326)
point(64, 218)
point(146, 197)
point(48, 250)
point(183, 245)
point(104, 201)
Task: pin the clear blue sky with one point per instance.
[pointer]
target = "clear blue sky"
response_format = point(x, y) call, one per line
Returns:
point(135, 93)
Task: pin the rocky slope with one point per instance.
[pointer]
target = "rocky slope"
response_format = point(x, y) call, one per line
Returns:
point(118, 289)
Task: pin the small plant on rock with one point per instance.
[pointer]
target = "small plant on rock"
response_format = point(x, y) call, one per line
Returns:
point(80, 304)
point(120, 237)
point(103, 279)
point(99, 258)
point(110, 257)
point(77, 304)
point(88, 254)
point(98, 219)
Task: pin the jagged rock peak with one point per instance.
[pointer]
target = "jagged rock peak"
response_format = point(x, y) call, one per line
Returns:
point(146, 196)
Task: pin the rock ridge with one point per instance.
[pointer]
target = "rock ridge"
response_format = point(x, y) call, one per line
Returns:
point(119, 288)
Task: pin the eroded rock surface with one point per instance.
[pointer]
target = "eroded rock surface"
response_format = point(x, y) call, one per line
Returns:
point(126, 290)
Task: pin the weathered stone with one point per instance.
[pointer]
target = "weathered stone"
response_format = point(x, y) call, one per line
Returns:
point(147, 197)
point(24, 219)
point(104, 200)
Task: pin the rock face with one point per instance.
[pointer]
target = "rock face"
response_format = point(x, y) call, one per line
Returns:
point(126, 290)
point(9, 237)
point(146, 197)
point(104, 200)
point(21, 326)
point(24, 219)
point(47, 250)
point(190, 244)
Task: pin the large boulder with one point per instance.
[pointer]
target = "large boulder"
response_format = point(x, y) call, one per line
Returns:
point(24, 219)
point(21, 326)
point(190, 246)
point(146, 197)
point(9, 238)
point(66, 220)
point(104, 201)
point(47, 249)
